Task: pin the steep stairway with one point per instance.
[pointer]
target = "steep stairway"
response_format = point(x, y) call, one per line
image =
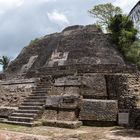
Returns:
point(32, 107)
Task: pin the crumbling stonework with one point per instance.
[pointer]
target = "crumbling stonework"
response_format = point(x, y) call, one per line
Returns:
point(82, 76)
point(94, 86)
point(13, 92)
point(75, 45)
point(62, 108)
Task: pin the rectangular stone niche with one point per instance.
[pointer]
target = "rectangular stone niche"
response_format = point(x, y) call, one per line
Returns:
point(99, 110)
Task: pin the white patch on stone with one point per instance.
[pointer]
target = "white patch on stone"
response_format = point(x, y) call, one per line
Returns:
point(29, 64)
point(58, 58)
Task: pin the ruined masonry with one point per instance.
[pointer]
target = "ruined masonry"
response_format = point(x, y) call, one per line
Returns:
point(68, 79)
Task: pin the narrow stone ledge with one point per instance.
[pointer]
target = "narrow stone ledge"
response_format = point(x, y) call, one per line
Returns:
point(62, 124)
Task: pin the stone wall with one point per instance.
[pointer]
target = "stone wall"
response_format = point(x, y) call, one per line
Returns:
point(68, 85)
point(72, 69)
point(13, 92)
point(64, 108)
point(119, 88)
point(99, 110)
point(135, 118)
point(93, 86)
point(126, 89)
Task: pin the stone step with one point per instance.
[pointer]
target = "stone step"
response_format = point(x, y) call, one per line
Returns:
point(30, 107)
point(39, 95)
point(41, 88)
point(32, 104)
point(43, 83)
point(28, 111)
point(36, 97)
point(39, 91)
point(32, 115)
point(35, 100)
point(20, 119)
point(29, 124)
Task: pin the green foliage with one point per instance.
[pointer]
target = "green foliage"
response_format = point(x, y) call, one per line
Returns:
point(4, 61)
point(133, 54)
point(98, 26)
point(124, 35)
point(123, 30)
point(34, 42)
point(103, 13)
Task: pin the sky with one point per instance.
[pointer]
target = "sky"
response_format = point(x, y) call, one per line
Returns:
point(24, 20)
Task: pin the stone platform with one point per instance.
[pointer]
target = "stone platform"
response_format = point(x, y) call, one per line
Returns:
point(62, 124)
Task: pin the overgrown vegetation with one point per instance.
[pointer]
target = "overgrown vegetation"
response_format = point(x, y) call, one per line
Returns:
point(34, 42)
point(124, 35)
point(4, 61)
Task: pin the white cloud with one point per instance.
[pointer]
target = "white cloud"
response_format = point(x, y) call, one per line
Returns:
point(46, 0)
point(126, 5)
point(57, 17)
point(9, 4)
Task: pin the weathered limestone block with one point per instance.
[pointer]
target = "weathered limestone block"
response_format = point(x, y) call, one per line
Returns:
point(62, 124)
point(64, 91)
point(49, 114)
point(72, 91)
point(99, 110)
point(68, 81)
point(67, 115)
point(53, 101)
point(6, 111)
point(57, 91)
point(66, 102)
point(64, 107)
point(70, 102)
point(94, 86)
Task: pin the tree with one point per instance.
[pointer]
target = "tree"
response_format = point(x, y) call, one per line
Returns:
point(104, 12)
point(124, 36)
point(4, 61)
point(123, 32)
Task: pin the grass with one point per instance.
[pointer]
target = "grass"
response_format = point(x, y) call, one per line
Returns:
point(83, 132)
point(28, 130)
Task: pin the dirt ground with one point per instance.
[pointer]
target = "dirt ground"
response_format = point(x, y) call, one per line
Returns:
point(13, 132)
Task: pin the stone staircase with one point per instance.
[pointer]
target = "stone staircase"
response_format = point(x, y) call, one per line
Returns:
point(32, 107)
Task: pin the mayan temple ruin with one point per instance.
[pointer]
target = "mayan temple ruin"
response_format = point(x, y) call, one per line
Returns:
point(68, 79)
